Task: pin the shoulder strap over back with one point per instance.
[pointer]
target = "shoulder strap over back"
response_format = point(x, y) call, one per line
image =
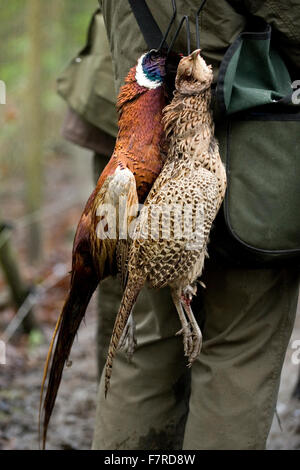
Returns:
point(148, 26)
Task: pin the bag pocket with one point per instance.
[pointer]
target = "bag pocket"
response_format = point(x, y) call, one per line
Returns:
point(259, 222)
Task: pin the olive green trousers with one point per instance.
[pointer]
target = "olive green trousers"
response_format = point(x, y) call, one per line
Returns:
point(228, 398)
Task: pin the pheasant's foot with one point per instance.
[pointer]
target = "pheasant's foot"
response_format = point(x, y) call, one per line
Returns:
point(192, 338)
point(196, 347)
point(192, 342)
point(195, 335)
point(187, 339)
point(128, 341)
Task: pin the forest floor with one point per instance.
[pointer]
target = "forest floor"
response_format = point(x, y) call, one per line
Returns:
point(72, 423)
point(20, 378)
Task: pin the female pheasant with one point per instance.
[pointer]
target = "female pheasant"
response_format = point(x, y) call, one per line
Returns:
point(167, 250)
point(129, 175)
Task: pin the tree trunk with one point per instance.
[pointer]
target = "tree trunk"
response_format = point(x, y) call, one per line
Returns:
point(18, 289)
point(34, 126)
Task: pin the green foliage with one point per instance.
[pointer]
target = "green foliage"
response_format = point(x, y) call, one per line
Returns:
point(35, 339)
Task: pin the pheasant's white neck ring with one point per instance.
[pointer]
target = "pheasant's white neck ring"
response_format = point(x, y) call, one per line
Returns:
point(141, 76)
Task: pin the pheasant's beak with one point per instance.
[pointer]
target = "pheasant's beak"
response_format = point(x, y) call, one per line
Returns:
point(195, 54)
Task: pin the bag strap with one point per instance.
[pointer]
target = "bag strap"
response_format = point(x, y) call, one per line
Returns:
point(147, 24)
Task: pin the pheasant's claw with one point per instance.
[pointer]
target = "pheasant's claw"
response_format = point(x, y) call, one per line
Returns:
point(192, 332)
point(196, 346)
point(192, 337)
point(128, 341)
point(187, 339)
point(192, 345)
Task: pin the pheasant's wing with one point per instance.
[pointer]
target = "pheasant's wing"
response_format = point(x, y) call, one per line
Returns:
point(173, 227)
point(219, 171)
point(114, 210)
point(122, 195)
point(131, 208)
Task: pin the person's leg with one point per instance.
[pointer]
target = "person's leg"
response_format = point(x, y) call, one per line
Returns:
point(109, 296)
point(249, 319)
point(296, 391)
point(146, 405)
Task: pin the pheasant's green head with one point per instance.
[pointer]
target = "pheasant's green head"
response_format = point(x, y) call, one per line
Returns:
point(148, 74)
point(193, 74)
point(150, 70)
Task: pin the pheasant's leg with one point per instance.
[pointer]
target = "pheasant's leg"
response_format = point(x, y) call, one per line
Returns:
point(185, 330)
point(196, 332)
point(128, 342)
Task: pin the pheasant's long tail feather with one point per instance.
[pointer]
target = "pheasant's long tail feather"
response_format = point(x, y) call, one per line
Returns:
point(46, 367)
point(131, 292)
point(122, 260)
point(66, 328)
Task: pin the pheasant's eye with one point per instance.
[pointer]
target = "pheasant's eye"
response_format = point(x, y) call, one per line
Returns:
point(153, 55)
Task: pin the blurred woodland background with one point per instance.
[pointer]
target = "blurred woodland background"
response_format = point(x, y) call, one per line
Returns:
point(38, 39)
point(44, 183)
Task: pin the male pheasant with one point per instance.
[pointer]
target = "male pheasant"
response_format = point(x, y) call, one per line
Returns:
point(168, 250)
point(129, 175)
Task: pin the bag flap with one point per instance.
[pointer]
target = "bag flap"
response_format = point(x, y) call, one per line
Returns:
point(252, 73)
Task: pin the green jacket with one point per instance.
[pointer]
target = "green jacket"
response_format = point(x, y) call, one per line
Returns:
point(88, 85)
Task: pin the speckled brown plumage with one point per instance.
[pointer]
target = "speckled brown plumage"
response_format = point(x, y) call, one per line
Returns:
point(193, 175)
